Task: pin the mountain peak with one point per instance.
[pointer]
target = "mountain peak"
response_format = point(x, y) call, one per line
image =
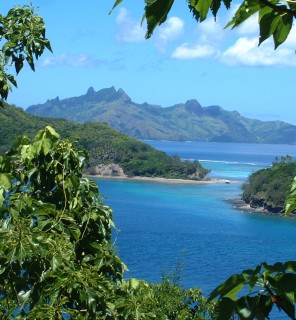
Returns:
point(110, 94)
point(90, 91)
point(121, 94)
point(193, 106)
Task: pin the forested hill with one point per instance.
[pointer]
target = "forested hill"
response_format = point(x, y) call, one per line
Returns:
point(268, 188)
point(105, 145)
point(181, 122)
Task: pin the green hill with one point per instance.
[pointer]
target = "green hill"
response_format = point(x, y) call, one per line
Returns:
point(268, 188)
point(105, 145)
point(181, 122)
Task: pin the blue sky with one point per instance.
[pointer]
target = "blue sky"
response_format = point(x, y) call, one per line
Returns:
point(183, 60)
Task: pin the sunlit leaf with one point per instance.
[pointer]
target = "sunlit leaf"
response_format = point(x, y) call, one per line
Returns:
point(283, 29)
point(6, 180)
point(244, 12)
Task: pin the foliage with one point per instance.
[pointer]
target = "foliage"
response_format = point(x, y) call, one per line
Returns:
point(22, 34)
point(290, 203)
point(162, 301)
point(56, 251)
point(275, 17)
point(57, 260)
point(104, 145)
point(181, 304)
point(270, 187)
point(269, 286)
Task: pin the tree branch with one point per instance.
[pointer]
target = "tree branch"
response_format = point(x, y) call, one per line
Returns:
point(279, 9)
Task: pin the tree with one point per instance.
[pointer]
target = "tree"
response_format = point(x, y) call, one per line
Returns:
point(57, 257)
point(269, 286)
point(57, 260)
point(22, 33)
point(275, 17)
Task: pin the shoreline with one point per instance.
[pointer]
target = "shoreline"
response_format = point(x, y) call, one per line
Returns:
point(163, 180)
point(241, 205)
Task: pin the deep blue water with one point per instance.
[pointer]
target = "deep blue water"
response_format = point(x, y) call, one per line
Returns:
point(160, 225)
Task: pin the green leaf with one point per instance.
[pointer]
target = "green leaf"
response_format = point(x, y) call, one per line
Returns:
point(6, 180)
point(2, 196)
point(277, 267)
point(45, 140)
point(115, 5)
point(251, 276)
point(264, 307)
point(215, 7)
point(156, 13)
point(229, 288)
point(274, 22)
point(283, 29)
point(246, 307)
point(244, 12)
point(286, 286)
point(27, 152)
point(224, 309)
point(290, 266)
point(75, 231)
point(134, 283)
point(268, 22)
point(203, 7)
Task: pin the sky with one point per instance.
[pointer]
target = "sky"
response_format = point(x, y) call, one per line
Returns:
point(183, 60)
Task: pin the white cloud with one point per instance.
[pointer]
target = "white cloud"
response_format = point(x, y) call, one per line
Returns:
point(245, 51)
point(71, 60)
point(210, 31)
point(186, 51)
point(129, 30)
point(171, 29)
point(210, 35)
point(249, 27)
point(238, 47)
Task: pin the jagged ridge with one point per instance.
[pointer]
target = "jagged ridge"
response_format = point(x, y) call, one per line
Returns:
point(181, 122)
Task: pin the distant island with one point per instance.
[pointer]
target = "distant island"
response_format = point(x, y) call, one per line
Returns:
point(181, 122)
point(111, 153)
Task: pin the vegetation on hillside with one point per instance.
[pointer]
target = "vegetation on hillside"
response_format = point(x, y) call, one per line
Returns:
point(104, 145)
point(57, 259)
point(268, 188)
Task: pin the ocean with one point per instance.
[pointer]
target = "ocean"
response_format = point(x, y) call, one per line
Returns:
point(162, 226)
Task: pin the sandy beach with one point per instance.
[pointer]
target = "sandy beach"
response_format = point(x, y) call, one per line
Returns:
point(163, 180)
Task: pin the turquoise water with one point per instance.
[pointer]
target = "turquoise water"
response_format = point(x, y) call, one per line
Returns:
point(160, 225)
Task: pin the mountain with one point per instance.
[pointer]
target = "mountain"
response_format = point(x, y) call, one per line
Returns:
point(109, 150)
point(181, 122)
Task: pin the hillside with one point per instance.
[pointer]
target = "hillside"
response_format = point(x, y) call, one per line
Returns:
point(268, 188)
point(105, 145)
point(181, 122)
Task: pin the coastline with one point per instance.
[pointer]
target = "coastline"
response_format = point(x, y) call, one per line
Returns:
point(162, 180)
point(241, 205)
